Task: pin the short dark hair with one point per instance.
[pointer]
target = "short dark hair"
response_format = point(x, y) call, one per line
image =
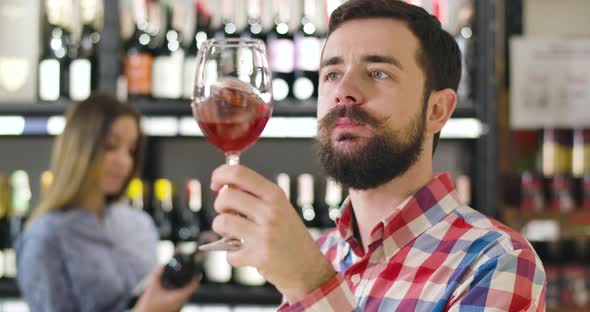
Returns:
point(438, 54)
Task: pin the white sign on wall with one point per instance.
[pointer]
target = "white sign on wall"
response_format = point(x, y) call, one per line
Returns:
point(550, 83)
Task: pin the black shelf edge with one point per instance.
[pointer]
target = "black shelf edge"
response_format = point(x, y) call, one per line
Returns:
point(34, 109)
point(151, 107)
point(160, 107)
point(236, 294)
point(205, 294)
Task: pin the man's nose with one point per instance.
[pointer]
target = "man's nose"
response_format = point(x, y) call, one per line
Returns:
point(349, 91)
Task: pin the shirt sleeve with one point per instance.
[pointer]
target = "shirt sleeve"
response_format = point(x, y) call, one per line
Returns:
point(510, 282)
point(333, 296)
point(42, 277)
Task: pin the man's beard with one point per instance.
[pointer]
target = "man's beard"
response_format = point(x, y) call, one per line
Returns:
point(385, 156)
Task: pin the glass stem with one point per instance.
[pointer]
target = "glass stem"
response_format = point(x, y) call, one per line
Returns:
point(232, 159)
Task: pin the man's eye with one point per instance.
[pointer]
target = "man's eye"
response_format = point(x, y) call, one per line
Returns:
point(331, 76)
point(377, 74)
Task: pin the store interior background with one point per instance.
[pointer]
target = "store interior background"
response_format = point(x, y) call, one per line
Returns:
point(179, 158)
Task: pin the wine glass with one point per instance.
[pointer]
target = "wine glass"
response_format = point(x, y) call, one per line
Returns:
point(232, 101)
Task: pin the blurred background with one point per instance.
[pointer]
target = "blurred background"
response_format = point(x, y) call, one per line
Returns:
point(518, 144)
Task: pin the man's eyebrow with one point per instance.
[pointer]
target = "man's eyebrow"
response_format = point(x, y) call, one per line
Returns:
point(370, 58)
point(331, 61)
point(375, 58)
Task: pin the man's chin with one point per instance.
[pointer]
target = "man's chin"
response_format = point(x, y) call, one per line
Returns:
point(348, 147)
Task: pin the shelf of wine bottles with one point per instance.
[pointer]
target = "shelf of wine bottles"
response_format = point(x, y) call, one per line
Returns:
point(547, 198)
point(180, 216)
point(145, 50)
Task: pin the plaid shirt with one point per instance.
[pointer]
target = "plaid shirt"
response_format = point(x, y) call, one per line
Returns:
point(431, 254)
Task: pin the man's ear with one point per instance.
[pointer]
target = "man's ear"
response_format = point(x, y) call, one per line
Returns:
point(441, 105)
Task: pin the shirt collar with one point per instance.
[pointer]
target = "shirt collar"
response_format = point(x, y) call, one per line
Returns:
point(412, 217)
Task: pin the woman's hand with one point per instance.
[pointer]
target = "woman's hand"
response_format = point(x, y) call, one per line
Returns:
point(158, 299)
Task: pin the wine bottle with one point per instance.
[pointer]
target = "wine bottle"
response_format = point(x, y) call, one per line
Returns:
point(216, 269)
point(161, 213)
point(4, 222)
point(21, 198)
point(186, 229)
point(45, 181)
point(201, 34)
point(54, 63)
point(167, 66)
point(307, 54)
point(305, 199)
point(194, 202)
point(333, 198)
point(138, 57)
point(228, 27)
point(254, 29)
point(183, 267)
point(135, 193)
point(281, 52)
point(248, 276)
point(284, 182)
point(84, 67)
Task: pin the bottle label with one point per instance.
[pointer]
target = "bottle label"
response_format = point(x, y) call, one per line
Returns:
point(14, 73)
point(49, 78)
point(80, 77)
point(167, 76)
point(303, 88)
point(281, 53)
point(249, 276)
point(308, 50)
point(189, 77)
point(216, 267)
point(9, 263)
point(138, 70)
point(280, 89)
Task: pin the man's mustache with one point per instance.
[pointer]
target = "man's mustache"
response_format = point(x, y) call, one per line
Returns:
point(354, 113)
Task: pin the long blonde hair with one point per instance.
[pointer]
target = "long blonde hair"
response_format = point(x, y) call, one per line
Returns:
point(78, 152)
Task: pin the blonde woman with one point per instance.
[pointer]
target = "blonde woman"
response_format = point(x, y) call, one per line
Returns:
point(82, 249)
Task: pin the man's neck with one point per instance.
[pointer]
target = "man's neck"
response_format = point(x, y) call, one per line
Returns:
point(373, 205)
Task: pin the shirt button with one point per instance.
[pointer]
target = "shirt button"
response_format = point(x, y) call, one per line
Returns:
point(355, 279)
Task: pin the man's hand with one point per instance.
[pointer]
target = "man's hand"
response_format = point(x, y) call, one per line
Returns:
point(276, 241)
point(158, 299)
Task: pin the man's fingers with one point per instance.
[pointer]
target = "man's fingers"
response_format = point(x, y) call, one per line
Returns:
point(232, 225)
point(243, 178)
point(233, 200)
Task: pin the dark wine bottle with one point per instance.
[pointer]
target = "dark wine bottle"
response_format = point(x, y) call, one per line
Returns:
point(254, 29)
point(201, 34)
point(138, 56)
point(4, 222)
point(333, 199)
point(54, 63)
point(136, 194)
point(21, 198)
point(186, 227)
point(168, 61)
point(228, 27)
point(84, 66)
point(305, 200)
point(307, 55)
point(162, 207)
point(281, 52)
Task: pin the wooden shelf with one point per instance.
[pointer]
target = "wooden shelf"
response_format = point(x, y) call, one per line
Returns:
point(568, 309)
point(572, 225)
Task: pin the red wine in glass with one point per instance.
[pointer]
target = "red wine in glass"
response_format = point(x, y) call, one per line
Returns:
point(233, 116)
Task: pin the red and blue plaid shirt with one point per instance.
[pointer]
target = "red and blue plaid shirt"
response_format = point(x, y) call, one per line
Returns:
point(431, 254)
